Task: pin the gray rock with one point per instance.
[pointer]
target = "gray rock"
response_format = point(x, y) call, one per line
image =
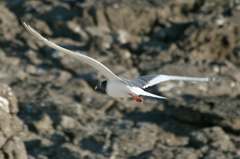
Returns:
point(217, 155)
point(65, 118)
point(11, 146)
point(44, 125)
point(214, 137)
point(15, 149)
point(7, 95)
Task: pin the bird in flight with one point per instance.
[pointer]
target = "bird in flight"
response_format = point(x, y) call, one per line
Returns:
point(115, 86)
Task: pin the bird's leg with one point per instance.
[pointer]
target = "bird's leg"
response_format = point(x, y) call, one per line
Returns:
point(136, 98)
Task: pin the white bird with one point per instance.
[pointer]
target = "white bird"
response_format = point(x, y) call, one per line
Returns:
point(115, 86)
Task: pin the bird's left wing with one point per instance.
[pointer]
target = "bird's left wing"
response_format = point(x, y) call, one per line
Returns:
point(102, 69)
point(151, 80)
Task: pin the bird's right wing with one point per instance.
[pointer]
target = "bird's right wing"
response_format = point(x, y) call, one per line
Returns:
point(102, 69)
point(153, 80)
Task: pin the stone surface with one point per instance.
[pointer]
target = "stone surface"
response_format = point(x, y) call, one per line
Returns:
point(11, 145)
point(64, 117)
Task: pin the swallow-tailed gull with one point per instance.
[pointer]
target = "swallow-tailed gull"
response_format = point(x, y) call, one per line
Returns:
point(115, 86)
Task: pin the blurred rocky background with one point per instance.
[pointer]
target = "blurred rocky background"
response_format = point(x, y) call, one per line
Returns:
point(48, 106)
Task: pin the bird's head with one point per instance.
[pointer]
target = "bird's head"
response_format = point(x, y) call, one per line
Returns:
point(101, 86)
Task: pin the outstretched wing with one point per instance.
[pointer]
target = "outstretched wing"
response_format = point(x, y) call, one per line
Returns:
point(102, 69)
point(140, 81)
point(151, 80)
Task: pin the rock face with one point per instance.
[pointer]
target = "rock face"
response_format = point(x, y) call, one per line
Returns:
point(65, 118)
point(11, 146)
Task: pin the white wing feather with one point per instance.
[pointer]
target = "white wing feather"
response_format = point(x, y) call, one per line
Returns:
point(162, 78)
point(83, 58)
point(140, 92)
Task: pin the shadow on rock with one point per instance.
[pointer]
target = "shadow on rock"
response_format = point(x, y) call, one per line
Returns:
point(178, 118)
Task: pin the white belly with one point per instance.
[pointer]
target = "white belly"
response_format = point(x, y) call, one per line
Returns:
point(117, 89)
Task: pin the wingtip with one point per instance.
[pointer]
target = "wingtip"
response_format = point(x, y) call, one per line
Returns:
point(24, 24)
point(165, 98)
point(161, 97)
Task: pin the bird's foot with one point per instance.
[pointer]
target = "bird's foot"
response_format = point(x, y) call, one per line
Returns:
point(136, 98)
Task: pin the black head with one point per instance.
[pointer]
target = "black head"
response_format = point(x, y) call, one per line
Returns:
point(101, 86)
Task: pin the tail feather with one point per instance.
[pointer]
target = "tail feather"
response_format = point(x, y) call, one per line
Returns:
point(140, 92)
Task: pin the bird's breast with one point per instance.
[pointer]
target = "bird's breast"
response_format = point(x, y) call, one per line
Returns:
point(117, 89)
